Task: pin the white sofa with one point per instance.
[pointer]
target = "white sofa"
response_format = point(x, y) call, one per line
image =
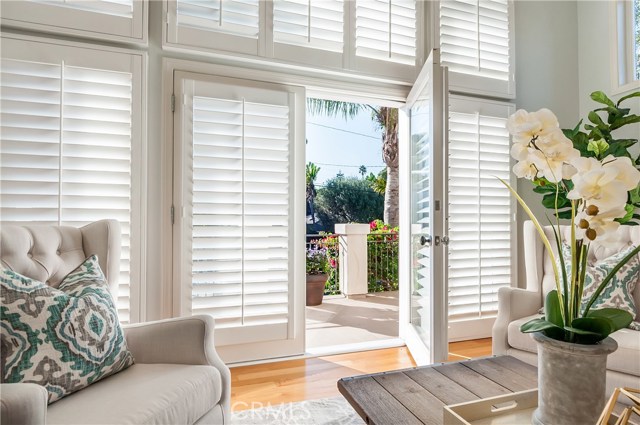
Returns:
point(516, 306)
point(177, 377)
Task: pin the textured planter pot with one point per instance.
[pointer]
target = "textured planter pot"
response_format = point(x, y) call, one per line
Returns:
point(315, 288)
point(571, 381)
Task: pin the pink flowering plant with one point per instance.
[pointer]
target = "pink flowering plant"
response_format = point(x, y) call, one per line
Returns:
point(588, 176)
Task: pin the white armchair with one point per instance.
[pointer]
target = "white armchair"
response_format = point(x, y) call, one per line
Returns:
point(177, 378)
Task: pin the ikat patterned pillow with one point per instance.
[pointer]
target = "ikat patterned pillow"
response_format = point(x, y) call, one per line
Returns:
point(619, 292)
point(63, 339)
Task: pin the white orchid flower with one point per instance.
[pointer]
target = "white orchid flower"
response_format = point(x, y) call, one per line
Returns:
point(525, 169)
point(554, 155)
point(600, 185)
point(628, 174)
point(602, 223)
point(526, 126)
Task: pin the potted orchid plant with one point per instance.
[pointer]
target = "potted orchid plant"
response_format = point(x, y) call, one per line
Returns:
point(587, 177)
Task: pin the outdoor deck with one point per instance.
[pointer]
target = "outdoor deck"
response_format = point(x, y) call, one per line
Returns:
point(340, 320)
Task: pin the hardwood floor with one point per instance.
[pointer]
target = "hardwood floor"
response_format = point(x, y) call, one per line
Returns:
point(308, 379)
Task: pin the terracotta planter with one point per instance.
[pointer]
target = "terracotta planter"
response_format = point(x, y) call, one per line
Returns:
point(315, 288)
point(571, 381)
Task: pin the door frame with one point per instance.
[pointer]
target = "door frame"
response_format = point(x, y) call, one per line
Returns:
point(439, 335)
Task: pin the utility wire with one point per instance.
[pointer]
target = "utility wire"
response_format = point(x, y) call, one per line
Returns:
point(345, 131)
point(351, 166)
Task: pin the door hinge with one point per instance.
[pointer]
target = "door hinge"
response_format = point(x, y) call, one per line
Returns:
point(173, 102)
point(173, 215)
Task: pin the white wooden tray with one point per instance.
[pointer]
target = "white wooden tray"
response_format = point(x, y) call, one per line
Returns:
point(508, 409)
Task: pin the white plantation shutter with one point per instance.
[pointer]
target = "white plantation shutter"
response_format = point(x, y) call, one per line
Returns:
point(475, 44)
point(238, 17)
point(481, 210)
point(237, 195)
point(67, 143)
point(231, 25)
point(386, 30)
point(122, 20)
point(309, 23)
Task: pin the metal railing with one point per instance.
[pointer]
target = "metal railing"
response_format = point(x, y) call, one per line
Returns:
point(382, 261)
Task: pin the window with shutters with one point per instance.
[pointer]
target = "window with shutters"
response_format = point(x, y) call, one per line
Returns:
point(481, 213)
point(119, 20)
point(374, 37)
point(70, 117)
point(625, 45)
point(476, 44)
point(237, 192)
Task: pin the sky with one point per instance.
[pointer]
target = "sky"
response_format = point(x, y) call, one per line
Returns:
point(346, 145)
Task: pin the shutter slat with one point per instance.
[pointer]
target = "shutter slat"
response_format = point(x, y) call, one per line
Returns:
point(237, 17)
point(306, 23)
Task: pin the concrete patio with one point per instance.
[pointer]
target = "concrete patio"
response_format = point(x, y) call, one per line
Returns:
point(339, 320)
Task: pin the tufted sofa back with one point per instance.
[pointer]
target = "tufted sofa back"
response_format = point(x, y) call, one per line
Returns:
point(49, 253)
point(539, 270)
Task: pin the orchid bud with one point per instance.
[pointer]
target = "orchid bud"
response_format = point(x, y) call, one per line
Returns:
point(583, 224)
point(592, 210)
point(591, 234)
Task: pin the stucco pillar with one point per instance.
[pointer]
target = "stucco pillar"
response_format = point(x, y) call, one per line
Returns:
point(352, 241)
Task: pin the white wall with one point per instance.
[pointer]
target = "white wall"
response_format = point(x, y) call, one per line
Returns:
point(546, 76)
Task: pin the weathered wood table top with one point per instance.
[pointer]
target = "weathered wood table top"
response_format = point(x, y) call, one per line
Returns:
point(418, 395)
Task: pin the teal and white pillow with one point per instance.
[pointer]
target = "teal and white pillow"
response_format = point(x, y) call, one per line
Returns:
point(619, 292)
point(63, 338)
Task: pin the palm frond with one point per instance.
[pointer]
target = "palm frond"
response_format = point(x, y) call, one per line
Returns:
point(333, 108)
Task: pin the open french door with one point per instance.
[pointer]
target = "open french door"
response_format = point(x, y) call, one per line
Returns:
point(423, 215)
point(239, 212)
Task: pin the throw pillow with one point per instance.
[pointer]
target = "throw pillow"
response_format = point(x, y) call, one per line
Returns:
point(63, 339)
point(619, 292)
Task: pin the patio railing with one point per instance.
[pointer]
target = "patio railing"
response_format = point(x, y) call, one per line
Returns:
point(382, 262)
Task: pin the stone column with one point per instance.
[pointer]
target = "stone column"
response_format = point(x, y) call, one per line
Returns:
point(352, 241)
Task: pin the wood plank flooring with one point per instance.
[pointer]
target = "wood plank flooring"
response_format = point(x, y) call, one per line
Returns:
point(308, 379)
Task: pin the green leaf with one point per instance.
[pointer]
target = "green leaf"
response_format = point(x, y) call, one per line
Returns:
point(592, 327)
point(631, 119)
point(595, 118)
point(549, 201)
point(536, 325)
point(599, 147)
point(581, 331)
point(620, 319)
point(552, 312)
point(629, 96)
point(600, 97)
point(628, 216)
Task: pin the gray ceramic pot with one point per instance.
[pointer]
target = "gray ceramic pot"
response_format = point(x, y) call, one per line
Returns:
point(571, 381)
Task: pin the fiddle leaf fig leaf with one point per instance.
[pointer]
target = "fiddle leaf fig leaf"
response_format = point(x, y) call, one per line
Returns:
point(600, 97)
point(599, 147)
point(629, 96)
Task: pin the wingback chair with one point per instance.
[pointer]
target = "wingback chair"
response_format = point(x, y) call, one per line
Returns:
point(177, 378)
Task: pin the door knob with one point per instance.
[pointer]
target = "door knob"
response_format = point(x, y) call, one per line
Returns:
point(425, 240)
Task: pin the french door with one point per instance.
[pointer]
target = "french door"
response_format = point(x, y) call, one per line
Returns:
point(239, 212)
point(423, 212)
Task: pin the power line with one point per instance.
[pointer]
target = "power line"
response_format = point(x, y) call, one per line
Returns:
point(350, 166)
point(345, 131)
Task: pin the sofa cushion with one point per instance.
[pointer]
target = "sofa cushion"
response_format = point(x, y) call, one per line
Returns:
point(143, 394)
point(63, 338)
point(625, 359)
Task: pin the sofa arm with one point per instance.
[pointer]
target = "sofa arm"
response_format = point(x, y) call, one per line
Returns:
point(24, 404)
point(184, 340)
point(513, 304)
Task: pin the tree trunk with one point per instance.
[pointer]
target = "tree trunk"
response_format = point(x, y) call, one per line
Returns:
point(391, 197)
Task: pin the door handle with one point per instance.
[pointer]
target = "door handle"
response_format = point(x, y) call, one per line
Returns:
point(425, 240)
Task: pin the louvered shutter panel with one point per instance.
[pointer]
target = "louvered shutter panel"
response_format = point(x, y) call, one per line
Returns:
point(123, 8)
point(386, 30)
point(122, 20)
point(475, 40)
point(309, 23)
point(239, 17)
point(240, 207)
point(66, 147)
point(480, 208)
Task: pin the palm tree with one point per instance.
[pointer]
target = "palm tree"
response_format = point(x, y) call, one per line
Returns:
point(311, 176)
point(387, 120)
point(362, 170)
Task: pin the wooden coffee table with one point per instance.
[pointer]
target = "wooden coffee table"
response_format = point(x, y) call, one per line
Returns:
point(418, 395)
